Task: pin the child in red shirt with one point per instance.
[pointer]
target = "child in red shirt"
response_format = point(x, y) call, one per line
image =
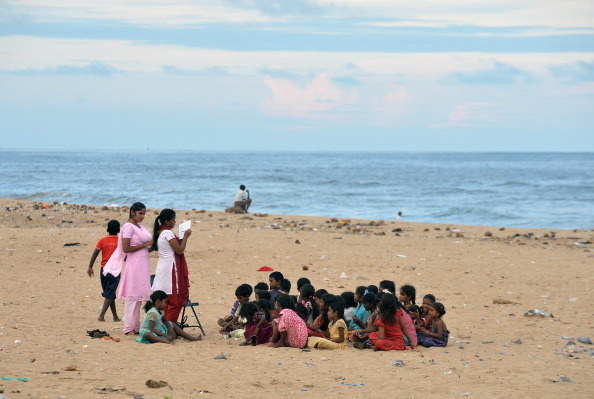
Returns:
point(109, 283)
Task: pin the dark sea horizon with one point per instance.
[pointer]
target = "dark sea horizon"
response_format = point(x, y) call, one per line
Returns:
point(513, 189)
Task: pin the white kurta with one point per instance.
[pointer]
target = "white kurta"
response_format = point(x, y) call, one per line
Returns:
point(165, 265)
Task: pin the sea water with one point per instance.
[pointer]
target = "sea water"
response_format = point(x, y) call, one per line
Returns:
point(539, 190)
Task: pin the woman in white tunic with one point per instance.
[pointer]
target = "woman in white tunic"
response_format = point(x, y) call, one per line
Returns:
point(171, 275)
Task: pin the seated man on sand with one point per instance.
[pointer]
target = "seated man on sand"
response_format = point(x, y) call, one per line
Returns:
point(242, 198)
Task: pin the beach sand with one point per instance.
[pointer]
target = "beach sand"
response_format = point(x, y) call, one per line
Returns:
point(48, 302)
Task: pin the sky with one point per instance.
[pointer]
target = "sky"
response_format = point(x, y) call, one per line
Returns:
point(304, 75)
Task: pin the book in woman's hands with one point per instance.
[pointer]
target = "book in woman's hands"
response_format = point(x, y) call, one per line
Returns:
point(183, 227)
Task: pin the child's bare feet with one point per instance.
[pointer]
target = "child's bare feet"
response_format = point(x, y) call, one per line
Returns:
point(116, 318)
point(130, 333)
point(100, 318)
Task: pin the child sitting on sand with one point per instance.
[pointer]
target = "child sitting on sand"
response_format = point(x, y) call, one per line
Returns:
point(261, 286)
point(337, 330)
point(109, 283)
point(434, 331)
point(388, 287)
point(306, 298)
point(229, 323)
point(275, 279)
point(361, 313)
point(390, 327)
point(155, 328)
point(348, 299)
point(258, 330)
point(361, 335)
point(407, 295)
point(427, 301)
point(319, 328)
point(290, 329)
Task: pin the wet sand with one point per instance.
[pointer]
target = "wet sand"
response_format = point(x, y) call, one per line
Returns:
point(48, 302)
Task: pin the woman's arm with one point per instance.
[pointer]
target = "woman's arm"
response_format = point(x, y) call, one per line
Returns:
point(128, 248)
point(439, 325)
point(341, 336)
point(177, 247)
point(381, 332)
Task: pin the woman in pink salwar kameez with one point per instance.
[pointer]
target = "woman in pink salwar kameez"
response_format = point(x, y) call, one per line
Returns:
point(135, 285)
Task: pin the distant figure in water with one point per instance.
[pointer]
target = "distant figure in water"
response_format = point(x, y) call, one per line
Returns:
point(242, 198)
point(399, 217)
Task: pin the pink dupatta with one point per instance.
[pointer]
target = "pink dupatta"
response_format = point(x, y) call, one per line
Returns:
point(116, 261)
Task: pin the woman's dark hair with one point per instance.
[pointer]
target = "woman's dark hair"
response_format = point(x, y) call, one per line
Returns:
point(379, 296)
point(264, 306)
point(320, 293)
point(388, 285)
point(286, 285)
point(261, 286)
point(348, 298)
point(430, 297)
point(248, 310)
point(137, 206)
point(301, 310)
point(301, 282)
point(113, 227)
point(414, 309)
point(165, 216)
point(369, 298)
point(410, 291)
point(373, 288)
point(438, 306)
point(243, 290)
point(278, 276)
point(327, 299)
point(338, 308)
point(388, 307)
point(307, 293)
point(155, 296)
point(263, 295)
point(284, 301)
point(361, 290)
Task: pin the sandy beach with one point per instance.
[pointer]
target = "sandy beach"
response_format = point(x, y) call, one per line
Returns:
point(487, 283)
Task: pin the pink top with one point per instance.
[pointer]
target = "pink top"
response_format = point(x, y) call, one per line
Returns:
point(409, 329)
point(295, 328)
point(135, 284)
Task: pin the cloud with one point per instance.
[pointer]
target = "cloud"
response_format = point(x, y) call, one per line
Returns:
point(92, 68)
point(501, 73)
point(465, 115)
point(320, 98)
point(581, 71)
point(281, 7)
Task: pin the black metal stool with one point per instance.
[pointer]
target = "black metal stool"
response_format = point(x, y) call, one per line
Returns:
point(184, 318)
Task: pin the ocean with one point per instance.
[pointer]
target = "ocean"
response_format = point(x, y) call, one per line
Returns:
point(536, 190)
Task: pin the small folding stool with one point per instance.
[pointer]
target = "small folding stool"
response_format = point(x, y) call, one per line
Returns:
point(184, 318)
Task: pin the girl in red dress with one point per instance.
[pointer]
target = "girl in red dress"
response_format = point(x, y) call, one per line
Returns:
point(390, 326)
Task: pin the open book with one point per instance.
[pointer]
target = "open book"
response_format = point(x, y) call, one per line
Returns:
point(183, 227)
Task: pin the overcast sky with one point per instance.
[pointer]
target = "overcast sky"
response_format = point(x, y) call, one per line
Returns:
point(433, 75)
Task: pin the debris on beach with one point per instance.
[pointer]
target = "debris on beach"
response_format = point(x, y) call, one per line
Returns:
point(398, 363)
point(535, 312)
point(156, 384)
point(220, 357)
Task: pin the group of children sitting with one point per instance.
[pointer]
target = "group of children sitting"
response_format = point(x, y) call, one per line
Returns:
point(370, 317)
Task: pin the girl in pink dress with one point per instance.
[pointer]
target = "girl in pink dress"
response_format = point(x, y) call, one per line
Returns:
point(135, 285)
point(291, 328)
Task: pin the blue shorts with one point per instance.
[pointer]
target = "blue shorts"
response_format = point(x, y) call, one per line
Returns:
point(109, 284)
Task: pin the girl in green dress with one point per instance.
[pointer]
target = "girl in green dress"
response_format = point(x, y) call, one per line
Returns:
point(155, 328)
